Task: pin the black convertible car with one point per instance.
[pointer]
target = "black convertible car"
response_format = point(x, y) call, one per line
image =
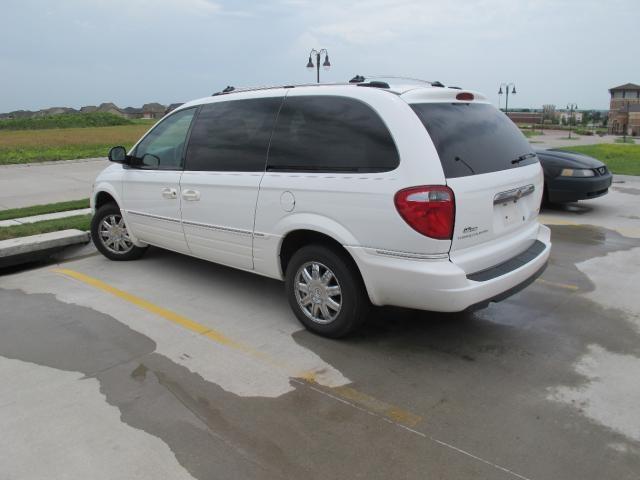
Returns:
point(570, 176)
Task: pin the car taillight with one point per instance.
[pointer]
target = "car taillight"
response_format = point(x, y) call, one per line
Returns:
point(429, 210)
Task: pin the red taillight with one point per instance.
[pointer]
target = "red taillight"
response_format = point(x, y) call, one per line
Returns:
point(464, 96)
point(429, 210)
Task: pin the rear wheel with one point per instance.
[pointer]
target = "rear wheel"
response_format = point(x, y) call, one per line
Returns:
point(325, 291)
point(110, 234)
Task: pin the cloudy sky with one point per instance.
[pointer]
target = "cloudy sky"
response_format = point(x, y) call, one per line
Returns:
point(84, 52)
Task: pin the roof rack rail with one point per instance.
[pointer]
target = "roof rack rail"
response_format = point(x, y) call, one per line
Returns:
point(361, 78)
point(374, 84)
point(227, 89)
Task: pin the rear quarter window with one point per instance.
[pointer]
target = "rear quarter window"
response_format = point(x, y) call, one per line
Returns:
point(330, 134)
point(473, 138)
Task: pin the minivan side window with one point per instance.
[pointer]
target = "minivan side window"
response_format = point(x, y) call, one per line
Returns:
point(232, 135)
point(330, 134)
point(163, 147)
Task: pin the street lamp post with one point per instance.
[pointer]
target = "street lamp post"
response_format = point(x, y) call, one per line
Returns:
point(326, 64)
point(513, 91)
point(571, 107)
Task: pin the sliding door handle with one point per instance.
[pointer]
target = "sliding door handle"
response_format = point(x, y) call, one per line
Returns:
point(191, 195)
point(169, 193)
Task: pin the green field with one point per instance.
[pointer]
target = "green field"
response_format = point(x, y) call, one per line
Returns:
point(81, 222)
point(623, 159)
point(65, 120)
point(26, 146)
point(42, 209)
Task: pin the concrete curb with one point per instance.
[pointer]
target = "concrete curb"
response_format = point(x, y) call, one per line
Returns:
point(36, 247)
point(45, 216)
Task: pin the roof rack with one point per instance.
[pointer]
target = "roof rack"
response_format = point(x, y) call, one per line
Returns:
point(231, 89)
point(361, 78)
point(374, 84)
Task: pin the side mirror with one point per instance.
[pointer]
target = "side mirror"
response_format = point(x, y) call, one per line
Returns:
point(150, 161)
point(118, 155)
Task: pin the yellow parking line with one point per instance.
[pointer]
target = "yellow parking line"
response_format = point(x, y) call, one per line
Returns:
point(371, 404)
point(566, 286)
point(150, 307)
point(366, 402)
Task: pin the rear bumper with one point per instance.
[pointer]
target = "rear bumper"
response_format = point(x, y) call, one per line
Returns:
point(569, 189)
point(440, 285)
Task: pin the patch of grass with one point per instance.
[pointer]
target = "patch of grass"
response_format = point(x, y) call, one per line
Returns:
point(42, 209)
point(65, 120)
point(81, 222)
point(625, 140)
point(27, 146)
point(623, 159)
point(143, 121)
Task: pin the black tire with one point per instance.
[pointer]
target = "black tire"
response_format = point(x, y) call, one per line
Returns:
point(105, 212)
point(353, 299)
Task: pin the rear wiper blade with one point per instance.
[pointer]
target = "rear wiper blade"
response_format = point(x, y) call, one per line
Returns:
point(523, 157)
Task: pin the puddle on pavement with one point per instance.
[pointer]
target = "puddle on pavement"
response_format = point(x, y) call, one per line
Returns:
point(574, 208)
point(512, 359)
point(472, 375)
point(212, 432)
point(627, 190)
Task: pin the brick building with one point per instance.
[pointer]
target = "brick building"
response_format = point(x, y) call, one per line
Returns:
point(624, 109)
point(527, 118)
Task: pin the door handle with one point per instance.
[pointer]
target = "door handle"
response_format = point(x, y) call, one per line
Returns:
point(191, 195)
point(169, 193)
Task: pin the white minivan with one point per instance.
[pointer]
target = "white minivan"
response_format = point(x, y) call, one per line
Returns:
point(406, 194)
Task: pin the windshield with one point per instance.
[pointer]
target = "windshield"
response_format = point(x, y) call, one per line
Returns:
point(473, 138)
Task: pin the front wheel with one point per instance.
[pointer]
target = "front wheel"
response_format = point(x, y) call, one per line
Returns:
point(325, 291)
point(110, 234)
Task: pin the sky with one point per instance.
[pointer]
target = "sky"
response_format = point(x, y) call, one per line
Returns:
point(130, 52)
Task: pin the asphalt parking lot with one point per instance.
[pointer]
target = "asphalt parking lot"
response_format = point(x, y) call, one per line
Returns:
point(171, 367)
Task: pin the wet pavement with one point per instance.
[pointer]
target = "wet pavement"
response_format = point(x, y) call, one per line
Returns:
point(171, 367)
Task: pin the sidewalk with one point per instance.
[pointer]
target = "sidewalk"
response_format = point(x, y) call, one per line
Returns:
point(41, 183)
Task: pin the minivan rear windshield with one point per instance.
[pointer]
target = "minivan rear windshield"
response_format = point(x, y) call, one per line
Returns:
point(474, 138)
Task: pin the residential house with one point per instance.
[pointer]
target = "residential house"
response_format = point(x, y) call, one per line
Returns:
point(153, 110)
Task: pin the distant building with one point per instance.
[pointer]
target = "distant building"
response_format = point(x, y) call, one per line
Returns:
point(564, 116)
point(153, 110)
point(148, 110)
point(110, 108)
point(526, 118)
point(132, 112)
point(624, 109)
